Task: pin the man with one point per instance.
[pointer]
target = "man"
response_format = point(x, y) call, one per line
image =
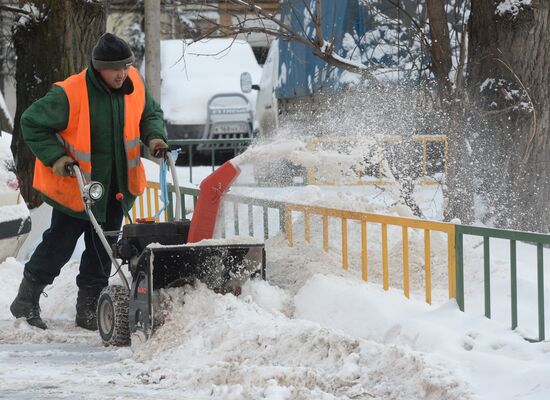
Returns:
point(96, 118)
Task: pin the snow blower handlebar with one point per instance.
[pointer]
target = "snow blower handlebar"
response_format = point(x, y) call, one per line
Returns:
point(91, 192)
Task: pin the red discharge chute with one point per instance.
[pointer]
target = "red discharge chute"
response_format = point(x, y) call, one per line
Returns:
point(212, 190)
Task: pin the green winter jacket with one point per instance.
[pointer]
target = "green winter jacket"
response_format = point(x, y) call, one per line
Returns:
point(50, 114)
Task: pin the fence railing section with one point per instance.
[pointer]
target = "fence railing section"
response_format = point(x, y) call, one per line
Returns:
point(380, 179)
point(213, 147)
point(384, 221)
point(513, 236)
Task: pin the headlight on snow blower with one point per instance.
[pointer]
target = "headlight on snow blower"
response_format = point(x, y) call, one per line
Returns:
point(93, 191)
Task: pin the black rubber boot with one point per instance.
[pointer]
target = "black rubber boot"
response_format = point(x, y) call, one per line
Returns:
point(86, 307)
point(26, 304)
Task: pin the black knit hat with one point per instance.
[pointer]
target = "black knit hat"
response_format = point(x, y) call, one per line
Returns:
point(111, 51)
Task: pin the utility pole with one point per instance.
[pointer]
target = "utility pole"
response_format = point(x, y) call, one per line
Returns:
point(152, 47)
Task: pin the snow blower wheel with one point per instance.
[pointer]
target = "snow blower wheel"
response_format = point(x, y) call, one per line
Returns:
point(112, 316)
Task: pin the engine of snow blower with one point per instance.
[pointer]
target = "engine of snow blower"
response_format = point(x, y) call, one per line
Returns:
point(159, 257)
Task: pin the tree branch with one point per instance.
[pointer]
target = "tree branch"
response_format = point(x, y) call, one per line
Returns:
point(14, 10)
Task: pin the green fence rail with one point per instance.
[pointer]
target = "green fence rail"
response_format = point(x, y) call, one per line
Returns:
point(212, 146)
point(513, 236)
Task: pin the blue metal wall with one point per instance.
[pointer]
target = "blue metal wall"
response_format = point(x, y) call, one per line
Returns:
point(301, 73)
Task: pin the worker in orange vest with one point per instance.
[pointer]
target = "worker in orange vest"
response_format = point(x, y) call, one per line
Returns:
point(97, 118)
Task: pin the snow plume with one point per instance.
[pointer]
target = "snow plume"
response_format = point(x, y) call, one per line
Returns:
point(378, 129)
point(354, 137)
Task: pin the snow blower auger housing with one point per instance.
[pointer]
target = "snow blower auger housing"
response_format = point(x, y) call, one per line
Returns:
point(166, 254)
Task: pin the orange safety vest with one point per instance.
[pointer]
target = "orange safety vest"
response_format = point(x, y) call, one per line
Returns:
point(76, 139)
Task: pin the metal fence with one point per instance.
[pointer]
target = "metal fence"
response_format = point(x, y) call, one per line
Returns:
point(513, 236)
point(213, 147)
point(237, 210)
point(383, 221)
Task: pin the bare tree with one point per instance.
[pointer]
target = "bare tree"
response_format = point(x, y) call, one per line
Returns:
point(53, 39)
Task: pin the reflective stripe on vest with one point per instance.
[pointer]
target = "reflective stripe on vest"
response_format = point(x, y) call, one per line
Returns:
point(77, 143)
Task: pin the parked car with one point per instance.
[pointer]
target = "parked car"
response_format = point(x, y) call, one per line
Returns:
point(15, 221)
point(206, 88)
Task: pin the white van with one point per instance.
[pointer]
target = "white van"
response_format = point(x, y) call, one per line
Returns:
point(206, 88)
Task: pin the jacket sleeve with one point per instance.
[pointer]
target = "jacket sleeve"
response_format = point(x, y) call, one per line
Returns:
point(152, 120)
point(40, 123)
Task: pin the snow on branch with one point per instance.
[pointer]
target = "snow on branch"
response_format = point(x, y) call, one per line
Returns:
point(512, 7)
point(258, 20)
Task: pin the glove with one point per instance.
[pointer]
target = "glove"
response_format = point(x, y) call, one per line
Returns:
point(157, 147)
point(59, 166)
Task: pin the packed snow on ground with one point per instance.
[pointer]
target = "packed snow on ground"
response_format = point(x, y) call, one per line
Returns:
point(311, 331)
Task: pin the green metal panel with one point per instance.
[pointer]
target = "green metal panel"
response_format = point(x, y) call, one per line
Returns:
point(540, 284)
point(230, 143)
point(514, 283)
point(487, 275)
point(214, 144)
point(460, 271)
point(213, 158)
point(190, 163)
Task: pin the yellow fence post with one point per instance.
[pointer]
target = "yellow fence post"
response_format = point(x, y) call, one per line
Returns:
point(385, 273)
point(406, 262)
point(307, 227)
point(364, 259)
point(325, 232)
point(424, 158)
point(427, 266)
point(288, 226)
point(157, 204)
point(149, 207)
point(345, 243)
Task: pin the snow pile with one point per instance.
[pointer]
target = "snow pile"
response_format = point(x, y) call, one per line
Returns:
point(312, 331)
point(232, 348)
point(512, 7)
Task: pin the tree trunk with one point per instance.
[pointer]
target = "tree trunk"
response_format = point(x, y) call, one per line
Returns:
point(509, 75)
point(49, 48)
point(440, 48)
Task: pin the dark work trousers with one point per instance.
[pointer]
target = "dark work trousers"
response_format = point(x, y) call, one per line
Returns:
point(59, 242)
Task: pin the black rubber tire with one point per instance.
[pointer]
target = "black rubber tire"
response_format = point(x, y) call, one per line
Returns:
point(112, 316)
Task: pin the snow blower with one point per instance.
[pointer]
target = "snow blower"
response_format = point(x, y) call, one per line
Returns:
point(168, 254)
